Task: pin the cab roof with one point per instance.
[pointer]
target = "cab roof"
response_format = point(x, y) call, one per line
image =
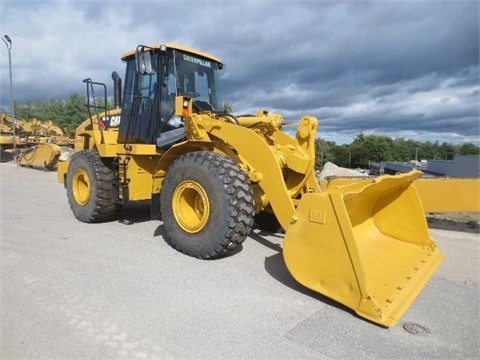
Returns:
point(131, 53)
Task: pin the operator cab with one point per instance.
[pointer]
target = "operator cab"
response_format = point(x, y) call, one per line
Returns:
point(154, 76)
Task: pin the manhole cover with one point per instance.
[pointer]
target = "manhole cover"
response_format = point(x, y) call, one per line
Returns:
point(415, 329)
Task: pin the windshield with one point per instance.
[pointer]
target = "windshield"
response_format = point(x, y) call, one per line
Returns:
point(198, 78)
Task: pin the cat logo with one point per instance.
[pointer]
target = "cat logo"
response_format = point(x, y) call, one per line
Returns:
point(115, 120)
point(110, 121)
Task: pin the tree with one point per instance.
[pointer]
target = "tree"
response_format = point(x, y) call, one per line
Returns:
point(342, 156)
point(469, 149)
point(75, 112)
point(367, 148)
point(448, 151)
point(405, 150)
point(323, 152)
point(430, 151)
point(24, 111)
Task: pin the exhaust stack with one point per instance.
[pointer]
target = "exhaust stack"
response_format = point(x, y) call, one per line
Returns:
point(117, 90)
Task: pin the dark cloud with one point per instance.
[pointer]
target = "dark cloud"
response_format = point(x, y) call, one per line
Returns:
point(395, 68)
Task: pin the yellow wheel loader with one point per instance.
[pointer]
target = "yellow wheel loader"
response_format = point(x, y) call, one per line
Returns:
point(209, 174)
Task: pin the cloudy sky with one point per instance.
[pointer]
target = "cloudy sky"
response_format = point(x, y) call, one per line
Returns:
point(398, 68)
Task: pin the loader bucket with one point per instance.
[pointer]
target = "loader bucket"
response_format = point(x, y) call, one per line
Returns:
point(365, 245)
point(42, 156)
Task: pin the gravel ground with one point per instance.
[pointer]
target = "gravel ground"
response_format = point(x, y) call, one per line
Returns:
point(116, 290)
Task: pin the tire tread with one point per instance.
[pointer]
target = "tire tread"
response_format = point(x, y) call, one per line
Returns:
point(101, 206)
point(241, 209)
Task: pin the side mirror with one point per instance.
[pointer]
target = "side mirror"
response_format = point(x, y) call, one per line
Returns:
point(143, 60)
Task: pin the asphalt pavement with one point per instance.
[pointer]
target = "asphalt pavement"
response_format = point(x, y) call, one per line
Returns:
point(116, 290)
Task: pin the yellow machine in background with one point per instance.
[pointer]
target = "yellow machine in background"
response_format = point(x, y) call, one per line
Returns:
point(39, 144)
point(449, 194)
point(439, 194)
point(43, 156)
point(210, 174)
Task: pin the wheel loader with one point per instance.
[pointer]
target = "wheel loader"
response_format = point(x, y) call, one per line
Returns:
point(209, 174)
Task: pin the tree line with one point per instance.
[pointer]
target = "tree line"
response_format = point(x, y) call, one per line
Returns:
point(377, 148)
point(68, 114)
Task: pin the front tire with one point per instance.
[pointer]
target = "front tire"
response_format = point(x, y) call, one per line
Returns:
point(207, 205)
point(89, 188)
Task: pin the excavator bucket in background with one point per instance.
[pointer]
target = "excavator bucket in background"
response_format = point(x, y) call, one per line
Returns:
point(43, 156)
point(365, 245)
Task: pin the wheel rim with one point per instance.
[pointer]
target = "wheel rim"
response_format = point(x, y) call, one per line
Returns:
point(191, 207)
point(81, 187)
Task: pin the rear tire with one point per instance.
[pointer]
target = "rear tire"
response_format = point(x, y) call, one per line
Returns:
point(89, 188)
point(207, 205)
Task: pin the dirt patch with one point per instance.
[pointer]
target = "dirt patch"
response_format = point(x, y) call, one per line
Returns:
point(463, 222)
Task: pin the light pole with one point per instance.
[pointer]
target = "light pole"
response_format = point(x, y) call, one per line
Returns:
point(6, 39)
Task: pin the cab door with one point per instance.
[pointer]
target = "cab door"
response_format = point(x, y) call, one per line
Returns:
point(141, 106)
